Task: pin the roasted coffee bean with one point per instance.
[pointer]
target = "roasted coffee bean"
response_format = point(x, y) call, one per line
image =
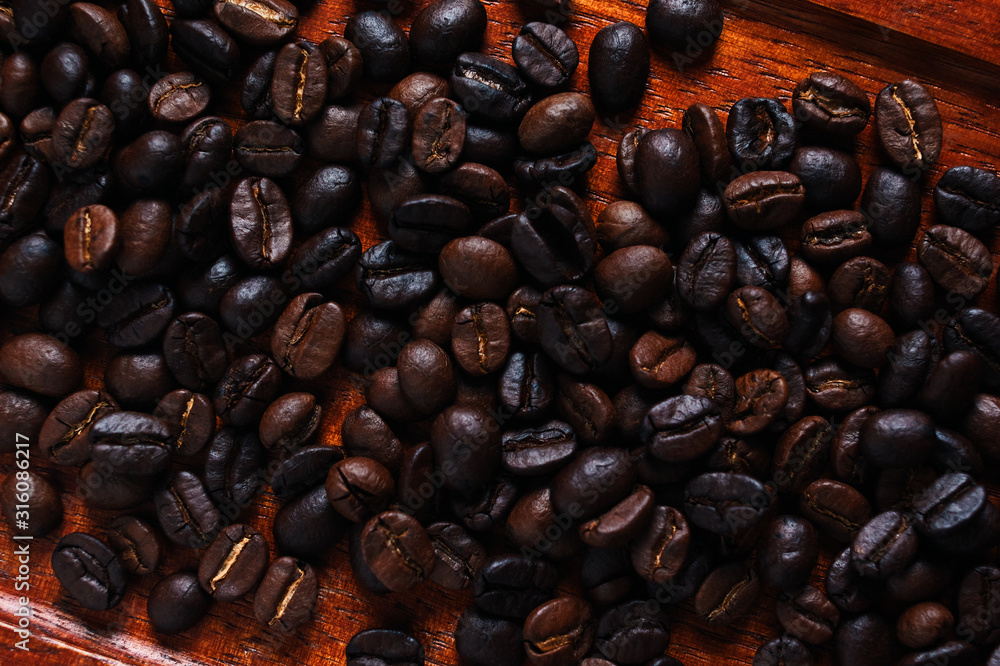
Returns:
point(891, 204)
point(587, 408)
point(480, 338)
point(958, 653)
point(179, 97)
point(573, 330)
point(344, 66)
point(657, 361)
point(862, 338)
point(89, 571)
point(557, 123)
point(951, 503)
point(557, 246)
point(623, 224)
point(682, 428)
point(489, 88)
point(976, 599)
point(958, 261)
point(559, 631)
point(761, 398)
point(40, 363)
point(426, 223)
point(246, 306)
point(194, 351)
point(138, 379)
point(29, 270)
point(100, 32)
point(147, 31)
point(307, 337)
point(496, 147)
point(298, 86)
point(924, 625)
point(802, 454)
point(74, 191)
point(438, 135)
point(545, 55)
point(909, 126)
point(91, 238)
point(332, 137)
point(845, 587)
point(884, 545)
point(358, 488)
point(761, 134)
point(459, 556)
point(307, 527)
point(531, 518)
point(386, 397)
point(788, 551)
point(835, 237)
point(622, 523)
point(132, 442)
point(287, 595)
point(539, 449)
point(326, 257)
point(660, 551)
point(714, 382)
point(268, 148)
point(82, 133)
point(784, 651)
point(385, 50)
point(64, 72)
point(255, 96)
point(488, 508)
point(30, 504)
point(260, 23)
point(150, 163)
point(390, 277)
point(569, 167)
point(303, 470)
point(975, 330)
point(808, 614)
point(702, 124)
point(514, 585)
point(201, 225)
point(865, 640)
point(329, 192)
point(706, 271)
point(727, 594)
point(527, 385)
point(835, 508)
point(484, 640)
point(620, 57)
point(232, 469)
point(18, 95)
point(24, 187)
point(260, 223)
point(969, 198)
point(923, 579)
point(759, 316)
point(831, 103)
point(861, 282)
point(522, 311)
point(36, 133)
point(667, 153)
point(138, 546)
point(481, 188)
point(445, 29)
point(467, 448)
point(832, 178)
point(190, 419)
point(234, 563)
point(375, 647)
point(914, 356)
point(466, 262)
point(290, 422)
point(137, 316)
point(762, 261)
point(246, 389)
point(625, 160)
point(384, 133)
point(897, 438)
point(726, 503)
point(596, 480)
point(176, 603)
point(145, 231)
point(397, 549)
point(126, 93)
point(23, 413)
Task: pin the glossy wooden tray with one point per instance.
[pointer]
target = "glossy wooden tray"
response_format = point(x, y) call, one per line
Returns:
point(767, 47)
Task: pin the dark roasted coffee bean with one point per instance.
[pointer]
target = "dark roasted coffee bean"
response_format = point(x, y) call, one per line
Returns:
point(727, 594)
point(358, 488)
point(89, 571)
point(976, 603)
point(208, 148)
point(176, 603)
point(862, 338)
point(268, 148)
point(325, 525)
point(957, 260)
point(922, 580)
point(761, 398)
point(951, 385)
point(233, 469)
point(546, 56)
point(484, 640)
point(246, 389)
point(287, 595)
point(897, 438)
point(702, 124)
point(845, 587)
point(513, 585)
point(909, 126)
point(36, 133)
point(950, 504)
point(788, 551)
point(596, 480)
point(569, 167)
point(625, 223)
point(480, 338)
point(672, 154)
point(861, 282)
point(385, 50)
point(758, 316)
point(64, 72)
point(132, 442)
point(106, 489)
point(329, 193)
point(762, 261)
point(557, 245)
point(426, 223)
point(835, 237)
point(587, 408)
point(467, 448)
point(832, 178)
point(802, 453)
point(808, 614)
point(559, 631)
point(969, 198)
point(884, 545)
point(397, 549)
point(190, 419)
point(145, 230)
point(234, 563)
point(29, 270)
point(24, 187)
point(954, 653)
point(150, 163)
point(557, 123)
point(622, 523)
point(101, 32)
point(682, 428)
point(390, 277)
point(657, 361)
point(726, 503)
point(138, 379)
point(925, 624)
point(445, 29)
point(675, 25)
point(620, 57)
point(628, 172)
point(147, 31)
point(913, 358)
point(660, 551)
point(290, 422)
point(831, 103)
point(74, 191)
point(126, 94)
point(332, 137)
point(479, 187)
point(715, 383)
point(384, 133)
point(30, 504)
point(255, 96)
point(307, 337)
point(496, 147)
point(382, 647)
point(194, 351)
point(706, 271)
point(260, 223)
point(298, 86)
point(438, 135)
point(573, 330)
point(836, 508)
point(178, 97)
point(201, 225)
point(489, 88)
point(465, 262)
point(137, 316)
point(459, 556)
point(976, 330)
point(91, 238)
point(386, 397)
point(40, 363)
point(26, 414)
point(261, 23)
point(138, 546)
point(761, 134)
point(865, 640)
point(539, 449)
point(891, 204)
point(784, 651)
point(343, 64)
point(418, 89)
point(82, 133)
point(19, 92)
point(527, 385)
point(303, 470)
point(326, 257)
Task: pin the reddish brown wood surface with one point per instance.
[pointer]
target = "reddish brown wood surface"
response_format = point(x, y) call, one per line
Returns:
point(765, 50)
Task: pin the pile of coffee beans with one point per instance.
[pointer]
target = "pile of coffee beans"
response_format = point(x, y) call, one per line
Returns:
point(578, 422)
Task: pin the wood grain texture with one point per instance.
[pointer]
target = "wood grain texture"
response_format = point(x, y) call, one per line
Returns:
point(765, 50)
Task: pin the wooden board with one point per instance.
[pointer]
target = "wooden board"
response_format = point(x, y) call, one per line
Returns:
point(765, 50)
